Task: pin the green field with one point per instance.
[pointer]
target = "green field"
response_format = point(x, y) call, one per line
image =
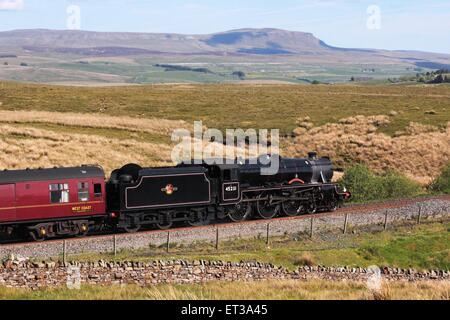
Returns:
point(246, 106)
point(57, 68)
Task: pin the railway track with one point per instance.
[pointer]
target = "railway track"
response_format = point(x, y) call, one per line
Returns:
point(159, 235)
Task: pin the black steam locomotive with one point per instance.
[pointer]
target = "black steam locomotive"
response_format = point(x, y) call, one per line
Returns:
point(197, 193)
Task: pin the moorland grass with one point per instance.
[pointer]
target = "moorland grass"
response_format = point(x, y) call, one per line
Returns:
point(264, 290)
point(247, 106)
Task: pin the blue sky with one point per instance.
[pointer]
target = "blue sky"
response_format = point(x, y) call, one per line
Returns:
point(409, 25)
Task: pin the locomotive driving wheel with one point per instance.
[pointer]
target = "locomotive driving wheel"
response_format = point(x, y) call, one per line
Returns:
point(132, 228)
point(333, 205)
point(267, 208)
point(164, 226)
point(311, 207)
point(292, 208)
point(133, 224)
point(198, 218)
point(240, 211)
point(165, 220)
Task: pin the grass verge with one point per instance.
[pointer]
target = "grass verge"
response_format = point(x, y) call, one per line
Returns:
point(422, 247)
point(265, 290)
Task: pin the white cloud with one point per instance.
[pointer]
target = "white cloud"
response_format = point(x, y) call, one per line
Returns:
point(11, 4)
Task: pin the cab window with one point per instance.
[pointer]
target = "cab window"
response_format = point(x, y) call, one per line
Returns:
point(97, 190)
point(227, 175)
point(230, 175)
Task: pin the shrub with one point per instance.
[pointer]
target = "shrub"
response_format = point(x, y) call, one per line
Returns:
point(442, 183)
point(396, 185)
point(305, 260)
point(239, 74)
point(366, 186)
point(361, 182)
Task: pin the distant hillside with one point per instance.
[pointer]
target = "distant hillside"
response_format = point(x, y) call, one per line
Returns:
point(232, 41)
point(242, 41)
point(50, 53)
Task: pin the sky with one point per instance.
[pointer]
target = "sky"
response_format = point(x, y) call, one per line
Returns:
point(382, 24)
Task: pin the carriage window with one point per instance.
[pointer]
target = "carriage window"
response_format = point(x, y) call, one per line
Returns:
point(59, 192)
point(97, 190)
point(83, 191)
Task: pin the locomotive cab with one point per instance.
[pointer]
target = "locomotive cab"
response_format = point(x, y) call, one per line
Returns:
point(230, 187)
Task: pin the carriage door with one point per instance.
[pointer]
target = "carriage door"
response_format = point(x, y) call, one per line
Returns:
point(7, 202)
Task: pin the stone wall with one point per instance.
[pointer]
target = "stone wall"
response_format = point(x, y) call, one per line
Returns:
point(54, 274)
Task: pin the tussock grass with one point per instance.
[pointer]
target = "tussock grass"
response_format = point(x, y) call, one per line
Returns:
point(264, 290)
point(158, 126)
point(420, 153)
point(385, 293)
point(30, 147)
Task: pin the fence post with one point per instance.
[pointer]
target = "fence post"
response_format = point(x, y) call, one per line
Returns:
point(312, 227)
point(168, 242)
point(64, 252)
point(115, 245)
point(419, 217)
point(385, 220)
point(345, 223)
point(268, 234)
point(217, 238)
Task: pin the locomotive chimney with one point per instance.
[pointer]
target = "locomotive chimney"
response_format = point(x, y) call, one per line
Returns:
point(312, 155)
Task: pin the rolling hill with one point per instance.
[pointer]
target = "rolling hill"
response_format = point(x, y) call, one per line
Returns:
point(262, 54)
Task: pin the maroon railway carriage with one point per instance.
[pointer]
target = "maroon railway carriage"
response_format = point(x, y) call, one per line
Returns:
point(52, 202)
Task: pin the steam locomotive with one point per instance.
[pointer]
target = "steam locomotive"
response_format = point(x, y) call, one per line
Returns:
point(48, 203)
